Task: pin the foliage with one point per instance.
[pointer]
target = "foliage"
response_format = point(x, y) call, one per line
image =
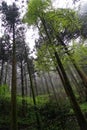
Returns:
point(51, 115)
point(35, 10)
point(61, 25)
point(62, 22)
point(84, 107)
point(79, 53)
point(10, 14)
point(44, 61)
point(4, 90)
point(63, 19)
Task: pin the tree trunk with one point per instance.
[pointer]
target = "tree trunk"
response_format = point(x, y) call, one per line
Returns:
point(39, 126)
point(26, 87)
point(82, 75)
point(43, 85)
point(13, 89)
point(22, 88)
point(80, 118)
point(53, 88)
point(35, 83)
point(6, 72)
point(25, 79)
point(1, 74)
point(46, 83)
point(78, 86)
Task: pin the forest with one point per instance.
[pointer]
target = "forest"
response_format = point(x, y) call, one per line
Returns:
point(44, 88)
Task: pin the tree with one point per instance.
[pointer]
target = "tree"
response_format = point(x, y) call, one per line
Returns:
point(11, 19)
point(5, 51)
point(39, 13)
point(20, 56)
point(39, 125)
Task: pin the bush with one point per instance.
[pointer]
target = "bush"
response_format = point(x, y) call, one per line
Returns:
point(4, 90)
point(54, 116)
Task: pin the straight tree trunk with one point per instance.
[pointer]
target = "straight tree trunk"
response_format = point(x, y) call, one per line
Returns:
point(26, 87)
point(6, 73)
point(13, 87)
point(39, 126)
point(35, 83)
point(22, 88)
point(1, 74)
point(46, 83)
point(43, 86)
point(25, 79)
point(53, 88)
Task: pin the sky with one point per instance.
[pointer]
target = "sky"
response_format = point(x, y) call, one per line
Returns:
point(32, 33)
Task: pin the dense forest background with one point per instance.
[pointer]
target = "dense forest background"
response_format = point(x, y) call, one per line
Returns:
point(46, 88)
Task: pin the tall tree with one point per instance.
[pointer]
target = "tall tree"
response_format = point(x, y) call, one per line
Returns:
point(20, 56)
point(5, 51)
point(11, 20)
point(38, 11)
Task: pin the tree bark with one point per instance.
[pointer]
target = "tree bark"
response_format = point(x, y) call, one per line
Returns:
point(25, 79)
point(6, 73)
point(13, 87)
point(1, 74)
point(35, 83)
point(22, 88)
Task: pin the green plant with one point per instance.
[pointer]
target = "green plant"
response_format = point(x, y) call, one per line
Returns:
point(4, 90)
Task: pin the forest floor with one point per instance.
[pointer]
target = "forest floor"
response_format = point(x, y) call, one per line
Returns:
point(52, 116)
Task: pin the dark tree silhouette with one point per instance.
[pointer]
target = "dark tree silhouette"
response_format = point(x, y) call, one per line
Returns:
point(11, 19)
